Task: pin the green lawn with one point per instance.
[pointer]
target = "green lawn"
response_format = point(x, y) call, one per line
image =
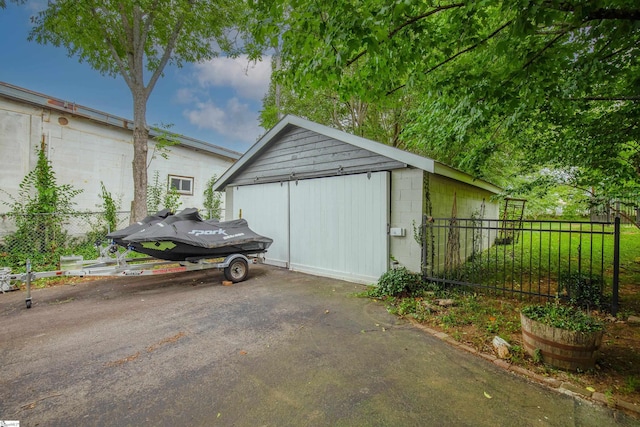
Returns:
point(543, 255)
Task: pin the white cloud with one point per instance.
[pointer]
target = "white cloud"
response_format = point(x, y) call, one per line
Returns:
point(185, 96)
point(235, 120)
point(248, 79)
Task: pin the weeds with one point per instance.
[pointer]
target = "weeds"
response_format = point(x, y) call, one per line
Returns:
point(537, 356)
point(631, 385)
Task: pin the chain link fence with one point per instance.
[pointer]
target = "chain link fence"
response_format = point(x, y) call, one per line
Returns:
point(44, 238)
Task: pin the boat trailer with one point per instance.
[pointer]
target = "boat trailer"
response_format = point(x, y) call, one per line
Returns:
point(235, 267)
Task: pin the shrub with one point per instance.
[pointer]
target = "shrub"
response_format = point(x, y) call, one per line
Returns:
point(397, 281)
point(36, 210)
point(563, 317)
point(212, 200)
point(583, 290)
point(159, 196)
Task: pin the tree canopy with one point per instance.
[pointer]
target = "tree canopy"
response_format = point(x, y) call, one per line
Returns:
point(136, 39)
point(551, 83)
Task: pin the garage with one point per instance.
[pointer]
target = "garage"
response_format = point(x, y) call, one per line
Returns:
point(333, 227)
point(338, 205)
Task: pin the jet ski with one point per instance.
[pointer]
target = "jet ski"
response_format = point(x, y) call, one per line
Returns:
point(186, 236)
point(118, 235)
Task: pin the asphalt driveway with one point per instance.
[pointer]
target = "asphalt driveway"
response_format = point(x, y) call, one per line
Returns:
point(280, 349)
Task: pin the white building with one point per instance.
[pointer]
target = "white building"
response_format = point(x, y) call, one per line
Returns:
point(87, 147)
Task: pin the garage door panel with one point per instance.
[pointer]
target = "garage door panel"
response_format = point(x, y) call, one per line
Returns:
point(266, 209)
point(339, 226)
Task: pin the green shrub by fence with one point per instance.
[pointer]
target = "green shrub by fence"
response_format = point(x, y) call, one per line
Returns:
point(44, 238)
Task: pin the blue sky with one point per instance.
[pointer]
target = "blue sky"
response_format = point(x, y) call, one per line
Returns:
point(217, 102)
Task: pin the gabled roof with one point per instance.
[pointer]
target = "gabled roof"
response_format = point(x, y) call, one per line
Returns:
point(410, 159)
point(40, 100)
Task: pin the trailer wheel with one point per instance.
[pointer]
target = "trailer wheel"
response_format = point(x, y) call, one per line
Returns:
point(237, 271)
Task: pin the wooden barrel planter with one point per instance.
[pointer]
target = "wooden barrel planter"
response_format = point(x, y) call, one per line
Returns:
point(561, 348)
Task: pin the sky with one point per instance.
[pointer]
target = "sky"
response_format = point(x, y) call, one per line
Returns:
point(217, 102)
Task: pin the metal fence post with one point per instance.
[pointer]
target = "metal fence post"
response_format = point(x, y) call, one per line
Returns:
point(616, 265)
point(28, 277)
point(423, 249)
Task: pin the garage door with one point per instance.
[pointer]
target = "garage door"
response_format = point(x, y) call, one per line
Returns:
point(339, 226)
point(266, 209)
point(333, 227)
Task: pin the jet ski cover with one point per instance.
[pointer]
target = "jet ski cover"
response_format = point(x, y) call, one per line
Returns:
point(187, 235)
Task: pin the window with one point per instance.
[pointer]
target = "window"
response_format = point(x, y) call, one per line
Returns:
point(183, 184)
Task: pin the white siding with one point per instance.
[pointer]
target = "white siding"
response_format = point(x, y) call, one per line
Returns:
point(339, 226)
point(266, 209)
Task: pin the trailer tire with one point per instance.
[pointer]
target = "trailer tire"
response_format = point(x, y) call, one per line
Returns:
point(237, 271)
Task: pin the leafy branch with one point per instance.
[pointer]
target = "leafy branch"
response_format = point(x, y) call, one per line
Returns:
point(468, 49)
point(407, 23)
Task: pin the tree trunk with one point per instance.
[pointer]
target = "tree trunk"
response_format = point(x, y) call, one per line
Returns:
point(140, 137)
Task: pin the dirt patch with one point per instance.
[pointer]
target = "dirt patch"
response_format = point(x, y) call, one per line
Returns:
point(165, 341)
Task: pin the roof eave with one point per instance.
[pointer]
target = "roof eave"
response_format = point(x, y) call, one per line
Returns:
point(405, 157)
point(449, 172)
point(357, 141)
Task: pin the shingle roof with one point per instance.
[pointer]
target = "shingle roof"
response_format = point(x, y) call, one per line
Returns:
point(414, 160)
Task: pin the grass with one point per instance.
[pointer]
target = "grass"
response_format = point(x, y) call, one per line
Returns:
point(547, 252)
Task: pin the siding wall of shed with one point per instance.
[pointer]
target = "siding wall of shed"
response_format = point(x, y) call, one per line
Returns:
point(407, 197)
point(470, 202)
point(469, 199)
point(300, 153)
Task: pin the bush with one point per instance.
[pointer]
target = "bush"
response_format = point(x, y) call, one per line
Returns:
point(583, 290)
point(397, 281)
point(212, 200)
point(563, 317)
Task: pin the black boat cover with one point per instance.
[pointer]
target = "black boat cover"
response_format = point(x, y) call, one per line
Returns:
point(118, 235)
point(186, 235)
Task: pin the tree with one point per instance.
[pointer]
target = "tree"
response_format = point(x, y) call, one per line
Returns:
point(552, 82)
point(3, 3)
point(132, 37)
point(377, 121)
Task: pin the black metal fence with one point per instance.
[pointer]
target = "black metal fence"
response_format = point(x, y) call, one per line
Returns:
point(578, 261)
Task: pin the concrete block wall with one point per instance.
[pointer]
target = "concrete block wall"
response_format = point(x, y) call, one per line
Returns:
point(84, 152)
point(406, 211)
point(470, 200)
